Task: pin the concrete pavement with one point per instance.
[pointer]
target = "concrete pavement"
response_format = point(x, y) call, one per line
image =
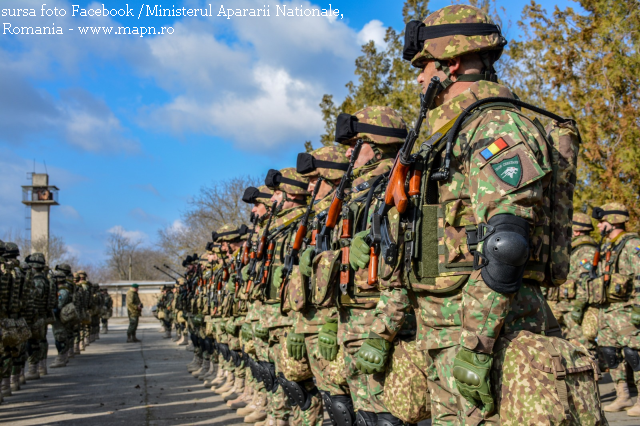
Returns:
point(113, 382)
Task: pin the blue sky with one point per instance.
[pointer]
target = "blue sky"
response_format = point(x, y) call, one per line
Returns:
point(130, 127)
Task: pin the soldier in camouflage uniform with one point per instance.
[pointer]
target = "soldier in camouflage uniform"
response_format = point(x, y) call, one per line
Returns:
point(62, 333)
point(565, 300)
point(252, 404)
point(618, 284)
point(134, 309)
point(489, 186)
point(39, 302)
point(290, 192)
point(108, 311)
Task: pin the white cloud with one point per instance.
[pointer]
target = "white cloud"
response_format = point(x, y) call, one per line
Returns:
point(131, 235)
point(177, 226)
point(373, 30)
point(70, 213)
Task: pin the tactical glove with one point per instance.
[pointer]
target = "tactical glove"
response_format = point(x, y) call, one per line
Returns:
point(359, 253)
point(471, 372)
point(372, 356)
point(295, 346)
point(262, 333)
point(246, 332)
point(577, 312)
point(278, 276)
point(231, 328)
point(245, 273)
point(635, 315)
point(328, 340)
point(306, 261)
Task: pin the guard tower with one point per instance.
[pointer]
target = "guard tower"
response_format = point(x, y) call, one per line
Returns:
point(40, 196)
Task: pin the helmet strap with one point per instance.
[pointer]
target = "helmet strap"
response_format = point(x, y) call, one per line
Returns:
point(488, 73)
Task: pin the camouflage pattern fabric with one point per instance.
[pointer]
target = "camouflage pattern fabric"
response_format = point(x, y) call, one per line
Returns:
point(457, 45)
point(405, 395)
point(379, 116)
point(293, 370)
point(366, 389)
point(330, 153)
point(328, 376)
point(590, 326)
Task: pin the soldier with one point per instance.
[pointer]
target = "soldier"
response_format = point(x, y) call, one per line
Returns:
point(62, 326)
point(39, 296)
point(180, 305)
point(564, 300)
point(107, 311)
point(167, 300)
point(134, 308)
point(618, 282)
point(481, 204)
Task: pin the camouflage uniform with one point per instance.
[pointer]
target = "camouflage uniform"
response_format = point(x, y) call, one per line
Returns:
point(499, 170)
point(618, 287)
point(62, 333)
point(133, 310)
point(562, 299)
point(39, 301)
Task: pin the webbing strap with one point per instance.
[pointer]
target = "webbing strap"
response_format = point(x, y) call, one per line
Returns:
point(560, 374)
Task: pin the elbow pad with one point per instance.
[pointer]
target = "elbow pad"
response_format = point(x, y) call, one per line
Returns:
point(505, 252)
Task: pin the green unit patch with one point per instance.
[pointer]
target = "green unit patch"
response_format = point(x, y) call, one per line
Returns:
point(509, 170)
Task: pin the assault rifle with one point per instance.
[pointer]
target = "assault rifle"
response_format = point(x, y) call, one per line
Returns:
point(262, 245)
point(395, 195)
point(166, 273)
point(247, 244)
point(175, 272)
point(323, 238)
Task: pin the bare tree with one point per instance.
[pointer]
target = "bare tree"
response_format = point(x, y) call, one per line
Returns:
point(120, 251)
point(214, 206)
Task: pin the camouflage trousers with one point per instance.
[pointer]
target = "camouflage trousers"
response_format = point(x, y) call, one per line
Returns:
point(62, 335)
point(571, 330)
point(367, 390)
point(329, 376)
point(617, 331)
point(133, 325)
point(277, 402)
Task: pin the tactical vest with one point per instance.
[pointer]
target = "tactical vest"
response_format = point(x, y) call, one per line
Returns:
point(5, 288)
point(17, 290)
point(568, 290)
point(619, 287)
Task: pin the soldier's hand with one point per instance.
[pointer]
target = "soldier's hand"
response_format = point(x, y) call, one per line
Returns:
point(306, 261)
point(295, 346)
point(372, 356)
point(328, 340)
point(245, 332)
point(261, 332)
point(359, 252)
point(278, 276)
point(471, 373)
point(245, 273)
point(231, 328)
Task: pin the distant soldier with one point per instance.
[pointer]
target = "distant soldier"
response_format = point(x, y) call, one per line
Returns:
point(64, 323)
point(38, 314)
point(108, 310)
point(619, 284)
point(134, 308)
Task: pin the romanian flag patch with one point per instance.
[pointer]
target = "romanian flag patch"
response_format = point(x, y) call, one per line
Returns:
point(497, 146)
point(586, 264)
point(638, 250)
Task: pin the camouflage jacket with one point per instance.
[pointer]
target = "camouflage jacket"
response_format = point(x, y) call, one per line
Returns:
point(582, 250)
point(478, 188)
point(619, 269)
point(133, 303)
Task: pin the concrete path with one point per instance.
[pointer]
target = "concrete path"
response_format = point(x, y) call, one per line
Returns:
point(145, 384)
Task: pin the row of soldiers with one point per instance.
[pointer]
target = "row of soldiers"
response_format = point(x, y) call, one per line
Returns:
point(32, 297)
point(385, 282)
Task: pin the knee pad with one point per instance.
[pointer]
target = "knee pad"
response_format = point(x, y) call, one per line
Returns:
point(611, 356)
point(328, 407)
point(366, 418)
point(296, 392)
point(208, 344)
point(632, 358)
point(343, 411)
point(388, 419)
point(505, 252)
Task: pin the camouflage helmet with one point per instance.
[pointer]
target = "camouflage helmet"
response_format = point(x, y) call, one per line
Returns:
point(287, 180)
point(81, 273)
point(181, 281)
point(261, 194)
point(377, 124)
point(36, 260)
point(581, 222)
point(11, 250)
point(451, 32)
point(328, 162)
point(65, 268)
point(59, 275)
point(614, 213)
point(230, 232)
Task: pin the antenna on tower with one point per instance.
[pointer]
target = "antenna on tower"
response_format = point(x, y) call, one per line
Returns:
point(45, 167)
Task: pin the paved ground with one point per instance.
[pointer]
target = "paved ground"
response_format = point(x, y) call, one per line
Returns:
point(116, 383)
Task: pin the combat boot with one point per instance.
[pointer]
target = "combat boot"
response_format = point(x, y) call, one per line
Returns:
point(257, 416)
point(209, 382)
point(81, 345)
point(106, 329)
point(208, 373)
point(622, 401)
point(190, 346)
point(249, 408)
point(227, 386)
point(87, 341)
point(42, 367)
point(196, 365)
point(220, 381)
point(199, 366)
point(236, 391)
point(5, 387)
point(15, 382)
point(58, 362)
point(167, 334)
point(23, 379)
point(32, 373)
point(76, 348)
point(242, 400)
point(183, 341)
point(635, 410)
point(134, 339)
point(192, 363)
point(176, 338)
